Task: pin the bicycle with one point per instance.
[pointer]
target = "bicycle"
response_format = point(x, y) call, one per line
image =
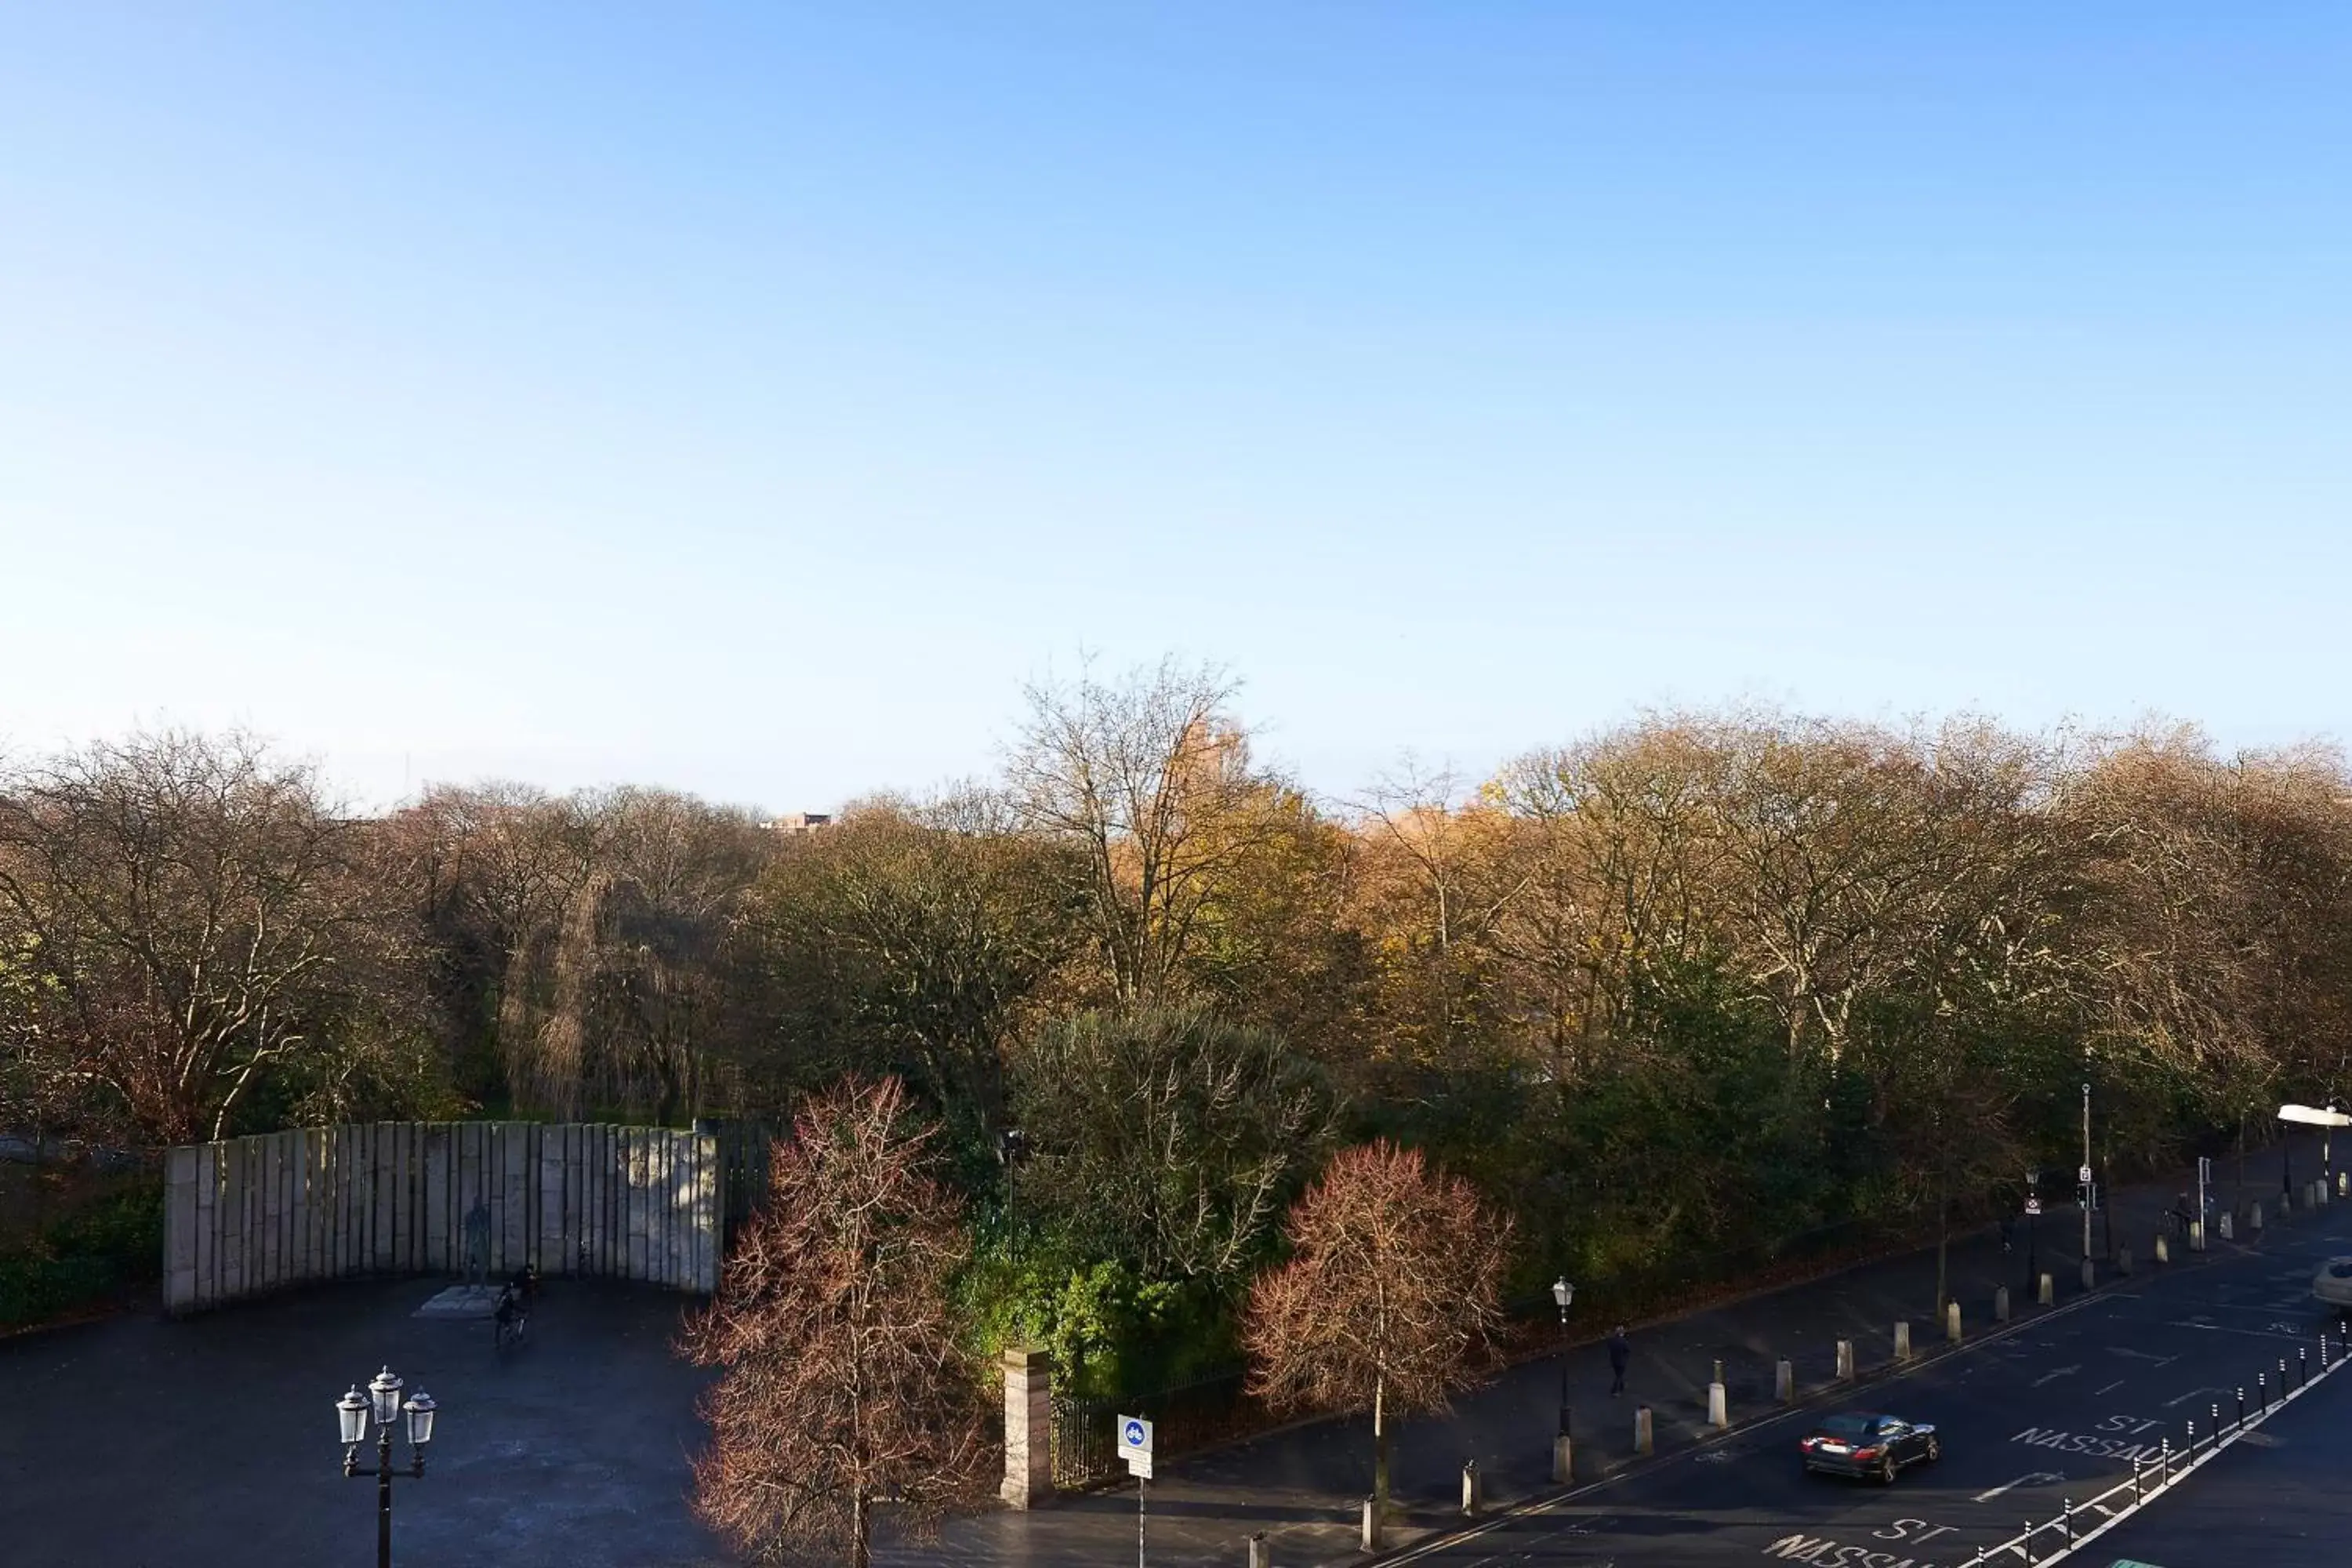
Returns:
point(513, 1314)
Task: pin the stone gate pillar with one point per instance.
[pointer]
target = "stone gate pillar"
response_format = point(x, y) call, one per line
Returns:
point(1028, 1427)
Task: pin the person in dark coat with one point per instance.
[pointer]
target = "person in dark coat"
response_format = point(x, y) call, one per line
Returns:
point(1621, 1352)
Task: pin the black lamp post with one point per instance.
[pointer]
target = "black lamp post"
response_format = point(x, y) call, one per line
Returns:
point(1562, 1292)
point(383, 1402)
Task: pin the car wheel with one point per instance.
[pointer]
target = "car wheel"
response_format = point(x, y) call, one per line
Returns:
point(1886, 1471)
point(1935, 1451)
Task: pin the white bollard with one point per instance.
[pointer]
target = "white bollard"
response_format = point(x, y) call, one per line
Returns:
point(2090, 1275)
point(1260, 1556)
point(1901, 1341)
point(2163, 1251)
point(1784, 1381)
point(1845, 1361)
point(1645, 1433)
point(2197, 1236)
point(2049, 1296)
point(1952, 1322)
point(1563, 1461)
point(1470, 1494)
point(2000, 1304)
point(2229, 1227)
point(1718, 1409)
point(1371, 1537)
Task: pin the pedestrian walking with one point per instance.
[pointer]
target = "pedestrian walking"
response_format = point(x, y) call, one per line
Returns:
point(1621, 1352)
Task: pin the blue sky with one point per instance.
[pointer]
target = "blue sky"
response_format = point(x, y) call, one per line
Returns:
point(750, 398)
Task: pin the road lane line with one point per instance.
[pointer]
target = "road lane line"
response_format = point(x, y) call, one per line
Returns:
point(2111, 1388)
point(2250, 1333)
point(2035, 1478)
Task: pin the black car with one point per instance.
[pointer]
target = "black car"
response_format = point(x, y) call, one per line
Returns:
point(1873, 1446)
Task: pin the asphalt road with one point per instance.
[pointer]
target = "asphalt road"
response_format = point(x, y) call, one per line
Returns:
point(2279, 1498)
point(2053, 1410)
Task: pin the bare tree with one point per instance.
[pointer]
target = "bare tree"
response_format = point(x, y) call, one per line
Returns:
point(841, 1384)
point(1176, 1135)
point(916, 934)
point(197, 918)
point(1152, 778)
point(1388, 1301)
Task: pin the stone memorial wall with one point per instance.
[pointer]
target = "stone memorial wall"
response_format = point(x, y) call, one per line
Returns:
point(249, 1216)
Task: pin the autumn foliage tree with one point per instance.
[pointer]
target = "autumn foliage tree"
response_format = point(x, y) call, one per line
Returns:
point(1389, 1300)
point(841, 1383)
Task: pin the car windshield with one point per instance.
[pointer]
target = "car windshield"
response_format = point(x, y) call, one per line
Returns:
point(1848, 1426)
point(2339, 1268)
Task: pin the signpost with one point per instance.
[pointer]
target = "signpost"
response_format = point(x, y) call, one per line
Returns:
point(1135, 1448)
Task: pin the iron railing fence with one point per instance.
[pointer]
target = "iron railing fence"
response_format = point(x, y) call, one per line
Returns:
point(1184, 1418)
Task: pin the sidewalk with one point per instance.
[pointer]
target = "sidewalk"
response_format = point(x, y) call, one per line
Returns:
point(1303, 1485)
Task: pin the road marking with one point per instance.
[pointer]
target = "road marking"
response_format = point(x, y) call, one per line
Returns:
point(2054, 1376)
point(2033, 1479)
point(2111, 1388)
point(2250, 1333)
point(2142, 1355)
point(2193, 1394)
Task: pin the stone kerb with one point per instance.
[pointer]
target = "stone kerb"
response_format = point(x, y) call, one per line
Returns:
point(249, 1216)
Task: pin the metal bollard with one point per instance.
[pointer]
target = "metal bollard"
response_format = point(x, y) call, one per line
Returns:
point(2090, 1275)
point(2029, 1528)
point(2134, 1478)
point(1259, 1557)
point(2302, 1366)
point(2262, 1391)
point(2191, 1449)
point(2164, 1463)
point(2217, 1421)
point(2242, 1405)
point(2066, 1515)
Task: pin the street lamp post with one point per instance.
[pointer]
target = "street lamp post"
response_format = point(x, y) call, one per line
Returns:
point(1562, 1292)
point(383, 1402)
